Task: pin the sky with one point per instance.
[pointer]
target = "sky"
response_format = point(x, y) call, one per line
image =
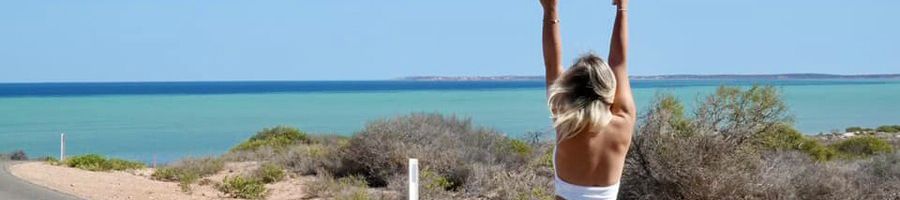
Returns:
point(179, 40)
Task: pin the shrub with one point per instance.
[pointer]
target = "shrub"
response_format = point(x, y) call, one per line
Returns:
point(518, 147)
point(95, 162)
point(189, 167)
point(496, 182)
point(276, 137)
point(51, 160)
point(433, 181)
point(349, 187)
point(889, 128)
point(119, 164)
point(18, 155)
point(91, 162)
point(188, 170)
point(713, 154)
point(862, 146)
point(857, 129)
point(448, 145)
point(269, 173)
point(307, 159)
point(883, 180)
point(716, 161)
point(785, 137)
point(817, 151)
point(738, 114)
point(240, 187)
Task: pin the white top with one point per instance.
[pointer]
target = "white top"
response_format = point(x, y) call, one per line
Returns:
point(572, 192)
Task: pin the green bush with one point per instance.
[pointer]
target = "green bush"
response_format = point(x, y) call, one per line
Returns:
point(277, 137)
point(91, 162)
point(95, 162)
point(269, 173)
point(782, 137)
point(671, 106)
point(857, 129)
point(433, 181)
point(240, 187)
point(889, 128)
point(817, 151)
point(785, 137)
point(861, 147)
point(518, 147)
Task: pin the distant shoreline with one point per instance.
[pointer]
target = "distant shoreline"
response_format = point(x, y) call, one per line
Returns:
point(800, 76)
point(790, 76)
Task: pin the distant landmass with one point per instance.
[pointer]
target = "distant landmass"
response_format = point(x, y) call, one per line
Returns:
point(766, 76)
point(472, 78)
point(667, 77)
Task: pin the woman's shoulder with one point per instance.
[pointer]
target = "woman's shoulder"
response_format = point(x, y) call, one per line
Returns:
point(620, 129)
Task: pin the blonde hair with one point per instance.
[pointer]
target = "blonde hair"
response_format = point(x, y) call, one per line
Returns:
point(581, 97)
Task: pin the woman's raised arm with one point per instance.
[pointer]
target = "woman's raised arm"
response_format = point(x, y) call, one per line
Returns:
point(552, 42)
point(618, 54)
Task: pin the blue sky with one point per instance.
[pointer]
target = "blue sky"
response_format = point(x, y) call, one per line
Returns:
point(177, 40)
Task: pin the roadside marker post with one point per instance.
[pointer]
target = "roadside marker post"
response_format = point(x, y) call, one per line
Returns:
point(62, 146)
point(413, 179)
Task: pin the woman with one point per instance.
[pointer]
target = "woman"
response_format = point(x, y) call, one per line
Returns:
point(593, 112)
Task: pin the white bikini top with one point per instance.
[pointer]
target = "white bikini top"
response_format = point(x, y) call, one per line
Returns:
point(572, 192)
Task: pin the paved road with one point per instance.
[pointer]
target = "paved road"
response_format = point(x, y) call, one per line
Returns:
point(13, 188)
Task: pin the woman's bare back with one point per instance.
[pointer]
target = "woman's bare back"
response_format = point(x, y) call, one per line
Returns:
point(595, 158)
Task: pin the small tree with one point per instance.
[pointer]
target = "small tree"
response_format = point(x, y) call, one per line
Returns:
point(862, 146)
point(739, 115)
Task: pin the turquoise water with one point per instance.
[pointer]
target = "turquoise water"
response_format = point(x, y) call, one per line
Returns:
point(170, 126)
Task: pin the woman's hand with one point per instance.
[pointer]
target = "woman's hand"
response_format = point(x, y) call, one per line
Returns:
point(548, 4)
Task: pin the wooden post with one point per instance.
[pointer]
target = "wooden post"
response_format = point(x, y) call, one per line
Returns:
point(62, 146)
point(413, 179)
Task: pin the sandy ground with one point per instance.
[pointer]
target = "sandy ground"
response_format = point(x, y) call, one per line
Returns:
point(137, 184)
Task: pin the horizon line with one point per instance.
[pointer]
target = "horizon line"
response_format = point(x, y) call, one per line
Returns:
point(409, 78)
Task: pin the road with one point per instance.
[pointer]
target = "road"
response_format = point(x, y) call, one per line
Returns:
point(13, 188)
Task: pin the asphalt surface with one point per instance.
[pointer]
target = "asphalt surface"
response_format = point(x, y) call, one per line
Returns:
point(13, 188)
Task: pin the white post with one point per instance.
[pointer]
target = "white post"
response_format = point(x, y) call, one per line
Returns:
point(62, 146)
point(413, 179)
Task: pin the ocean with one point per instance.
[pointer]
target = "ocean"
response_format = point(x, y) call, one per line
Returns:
point(170, 120)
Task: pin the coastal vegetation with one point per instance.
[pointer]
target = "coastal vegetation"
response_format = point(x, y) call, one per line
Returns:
point(278, 137)
point(189, 170)
point(241, 187)
point(96, 162)
point(889, 129)
point(269, 173)
point(881, 129)
point(15, 155)
point(738, 143)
